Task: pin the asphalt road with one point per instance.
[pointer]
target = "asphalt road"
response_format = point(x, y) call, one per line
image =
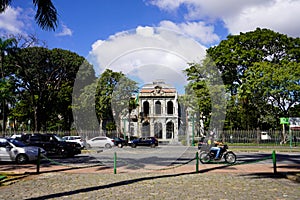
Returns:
point(164, 156)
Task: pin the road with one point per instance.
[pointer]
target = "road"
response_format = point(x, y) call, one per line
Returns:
point(165, 156)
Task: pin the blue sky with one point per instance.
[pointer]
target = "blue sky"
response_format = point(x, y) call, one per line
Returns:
point(98, 29)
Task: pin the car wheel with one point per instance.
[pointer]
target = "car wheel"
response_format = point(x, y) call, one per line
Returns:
point(152, 145)
point(120, 145)
point(22, 158)
point(133, 145)
point(107, 145)
point(64, 153)
point(88, 146)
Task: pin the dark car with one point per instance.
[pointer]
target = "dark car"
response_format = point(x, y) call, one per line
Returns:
point(119, 142)
point(53, 144)
point(144, 141)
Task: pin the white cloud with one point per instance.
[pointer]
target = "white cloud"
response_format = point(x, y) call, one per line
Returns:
point(281, 16)
point(197, 30)
point(65, 31)
point(241, 16)
point(146, 54)
point(11, 21)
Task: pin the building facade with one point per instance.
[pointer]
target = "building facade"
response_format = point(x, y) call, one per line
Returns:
point(157, 113)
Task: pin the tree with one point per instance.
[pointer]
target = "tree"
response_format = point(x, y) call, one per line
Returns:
point(46, 14)
point(239, 55)
point(207, 85)
point(44, 79)
point(122, 102)
point(105, 88)
point(113, 94)
point(7, 46)
point(276, 85)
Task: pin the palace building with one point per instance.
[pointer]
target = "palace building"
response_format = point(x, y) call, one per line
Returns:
point(157, 113)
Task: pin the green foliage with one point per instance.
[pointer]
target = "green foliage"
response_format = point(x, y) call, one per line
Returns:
point(113, 96)
point(206, 93)
point(44, 80)
point(237, 53)
point(260, 70)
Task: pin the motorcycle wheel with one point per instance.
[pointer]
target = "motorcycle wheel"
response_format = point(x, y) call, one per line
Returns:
point(204, 157)
point(230, 157)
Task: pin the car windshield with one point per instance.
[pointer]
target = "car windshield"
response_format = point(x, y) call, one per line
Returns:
point(17, 143)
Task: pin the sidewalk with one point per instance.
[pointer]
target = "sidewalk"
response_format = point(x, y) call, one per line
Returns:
point(282, 169)
point(253, 181)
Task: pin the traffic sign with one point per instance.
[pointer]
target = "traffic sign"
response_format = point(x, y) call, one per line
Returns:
point(284, 120)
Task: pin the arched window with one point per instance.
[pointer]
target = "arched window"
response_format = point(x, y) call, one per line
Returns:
point(170, 108)
point(146, 108)
point(170, 130)
point(158, 130)
point(157, 107)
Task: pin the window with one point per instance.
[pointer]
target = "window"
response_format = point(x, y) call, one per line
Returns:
point(158, 130)
point(157, 107)
point(146, 108)
point(170, 130)
point(170, 108)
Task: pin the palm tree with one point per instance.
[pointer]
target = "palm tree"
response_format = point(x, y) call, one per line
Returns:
point(46, 14)
point(6, 47)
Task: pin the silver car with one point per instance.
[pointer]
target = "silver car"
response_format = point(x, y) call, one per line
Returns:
point(77, 139)
point(100, 141)
point(16, 151)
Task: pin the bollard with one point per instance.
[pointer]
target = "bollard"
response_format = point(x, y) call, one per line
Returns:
point(38, 162)
point(274, 161)
point(115, 163)
point(197, 162)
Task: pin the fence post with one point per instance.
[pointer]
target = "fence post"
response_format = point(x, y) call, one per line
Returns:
point(274, 161)
point(38, 162)
point(197, 162)
point(115, 163)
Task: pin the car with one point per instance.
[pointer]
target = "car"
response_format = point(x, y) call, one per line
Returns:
point(144, 141)
point(76, 138)
point(53, 144)
point(100, 141)
point(16, 151)
point(16, 136)
point(119, 142)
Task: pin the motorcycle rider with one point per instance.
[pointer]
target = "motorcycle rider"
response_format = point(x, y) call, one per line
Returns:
point(217, 149)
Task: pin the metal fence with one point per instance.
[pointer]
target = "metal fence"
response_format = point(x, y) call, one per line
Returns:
point(232, 136)
point(259, 137)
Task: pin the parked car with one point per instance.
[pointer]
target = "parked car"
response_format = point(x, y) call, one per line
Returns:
point(119, 142)
point(144, 141)
point(53, 144)
point(17, 151)
point(77, 139)
point(100, 141)
point(16, 136)
point(265, 136)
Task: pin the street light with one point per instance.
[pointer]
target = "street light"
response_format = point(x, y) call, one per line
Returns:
point(29, 125)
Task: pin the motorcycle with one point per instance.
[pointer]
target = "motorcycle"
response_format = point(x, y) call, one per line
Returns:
point(228, 156)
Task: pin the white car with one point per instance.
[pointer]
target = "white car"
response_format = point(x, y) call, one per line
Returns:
point(16, 151)
point(77, 139)
point(100, 141)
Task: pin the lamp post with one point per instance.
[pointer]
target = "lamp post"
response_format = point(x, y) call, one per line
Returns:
point(193, 130)
point(29, 125)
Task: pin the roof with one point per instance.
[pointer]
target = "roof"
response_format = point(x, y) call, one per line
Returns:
point(158, 85)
